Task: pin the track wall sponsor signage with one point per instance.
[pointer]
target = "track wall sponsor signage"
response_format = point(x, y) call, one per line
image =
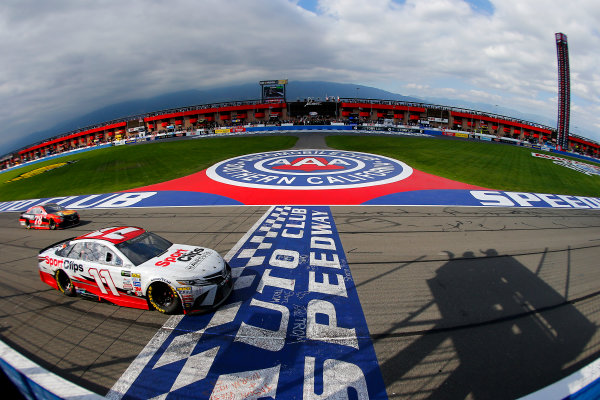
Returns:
point(299, 128)
point(293, 327)
point(408, 131)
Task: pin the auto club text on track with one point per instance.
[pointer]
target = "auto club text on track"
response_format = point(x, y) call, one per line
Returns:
point(108, 200)
point(486, 198)
point(322, 259)
point(293, 327)
point(322, 254)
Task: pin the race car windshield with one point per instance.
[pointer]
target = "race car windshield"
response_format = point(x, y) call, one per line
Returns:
point(52, 208)
point(144, 247)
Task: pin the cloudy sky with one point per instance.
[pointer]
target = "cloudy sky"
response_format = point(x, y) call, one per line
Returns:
point(64, 58)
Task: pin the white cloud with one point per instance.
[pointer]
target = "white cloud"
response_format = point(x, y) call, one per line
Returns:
point(66, 57)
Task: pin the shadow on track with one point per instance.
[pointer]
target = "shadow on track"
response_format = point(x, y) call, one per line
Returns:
point(493, 340)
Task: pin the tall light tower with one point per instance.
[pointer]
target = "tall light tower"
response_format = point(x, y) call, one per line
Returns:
point(564, 91)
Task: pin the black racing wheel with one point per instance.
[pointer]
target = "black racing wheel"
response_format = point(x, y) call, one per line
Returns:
point(163, 298)
point(64, 283)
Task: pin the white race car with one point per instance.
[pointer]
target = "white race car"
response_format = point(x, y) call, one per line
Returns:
point(131, 267)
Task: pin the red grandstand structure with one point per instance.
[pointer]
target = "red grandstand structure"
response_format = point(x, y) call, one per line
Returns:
point(564, 90)
point(211, 117)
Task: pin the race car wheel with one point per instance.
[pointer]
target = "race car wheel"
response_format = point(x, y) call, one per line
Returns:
point(64, 283)
point(52, 224)
point(27, 224)
point(163, 298)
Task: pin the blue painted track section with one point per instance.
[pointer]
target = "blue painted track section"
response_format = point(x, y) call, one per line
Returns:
point(444, 197)
point(293, 327)
point(438, 197)
point(188, 199)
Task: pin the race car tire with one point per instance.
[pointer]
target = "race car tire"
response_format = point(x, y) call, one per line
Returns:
point(27, 225)
point(52, 224)
point(64, 283)
point(164, 298)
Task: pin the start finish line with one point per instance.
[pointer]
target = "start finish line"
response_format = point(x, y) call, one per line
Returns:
point(292, 329)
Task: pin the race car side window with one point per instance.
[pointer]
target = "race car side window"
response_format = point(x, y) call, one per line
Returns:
point(108, 257)
point(93, 252)
point(79, 252)
point(113, 259)
point(64, 252)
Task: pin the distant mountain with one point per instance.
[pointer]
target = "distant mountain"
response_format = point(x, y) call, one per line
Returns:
point(250, 91)
point(296, 90)
point(143, 106)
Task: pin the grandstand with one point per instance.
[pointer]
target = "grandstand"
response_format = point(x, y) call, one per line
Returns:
point(206, 118)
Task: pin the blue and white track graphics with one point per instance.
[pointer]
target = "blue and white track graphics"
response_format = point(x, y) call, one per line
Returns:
point(292, 329)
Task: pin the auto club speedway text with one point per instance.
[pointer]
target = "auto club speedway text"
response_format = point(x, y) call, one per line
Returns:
point(293, 327)
point(293, 298)
point(485, 198)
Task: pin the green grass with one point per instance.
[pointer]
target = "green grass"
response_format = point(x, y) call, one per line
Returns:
point(125, 167)
point(490, 165)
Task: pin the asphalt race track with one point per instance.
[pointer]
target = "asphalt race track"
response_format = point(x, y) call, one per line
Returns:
point(459, 302)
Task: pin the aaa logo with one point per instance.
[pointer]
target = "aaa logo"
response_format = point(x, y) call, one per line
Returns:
point(310, 164)
point(309, 170)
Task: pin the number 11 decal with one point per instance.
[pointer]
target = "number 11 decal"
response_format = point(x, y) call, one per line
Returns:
point(103, 277)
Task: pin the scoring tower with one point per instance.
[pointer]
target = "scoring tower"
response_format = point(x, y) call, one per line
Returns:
point(564, 91)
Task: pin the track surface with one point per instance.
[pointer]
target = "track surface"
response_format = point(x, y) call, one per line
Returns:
point(460, 302)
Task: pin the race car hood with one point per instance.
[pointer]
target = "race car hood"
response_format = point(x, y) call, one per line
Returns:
point(65, 212)
point(182, 260)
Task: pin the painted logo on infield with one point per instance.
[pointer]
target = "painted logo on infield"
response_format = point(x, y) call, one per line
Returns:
point(309, 170)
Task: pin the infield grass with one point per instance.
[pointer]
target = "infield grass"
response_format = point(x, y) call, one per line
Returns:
point(491, 165)
point(126, 167)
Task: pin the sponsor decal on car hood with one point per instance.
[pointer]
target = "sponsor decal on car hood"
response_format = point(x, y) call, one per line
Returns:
point(66, 212)
point(185, 260)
